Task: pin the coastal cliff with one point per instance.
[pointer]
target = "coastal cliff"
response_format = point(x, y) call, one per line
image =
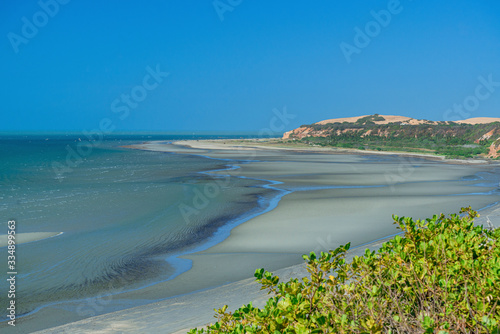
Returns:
point(475, 137)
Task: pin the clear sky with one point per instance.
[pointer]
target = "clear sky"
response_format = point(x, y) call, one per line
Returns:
point(240, 65)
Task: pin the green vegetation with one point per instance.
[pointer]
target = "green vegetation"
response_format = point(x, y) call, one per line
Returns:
point(370, 119)
point(443, 276)
point(444, 138)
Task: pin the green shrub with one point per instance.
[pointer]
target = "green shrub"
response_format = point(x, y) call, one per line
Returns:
point(443, 276)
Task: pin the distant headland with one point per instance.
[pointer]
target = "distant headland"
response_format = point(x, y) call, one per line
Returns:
point(471, 138)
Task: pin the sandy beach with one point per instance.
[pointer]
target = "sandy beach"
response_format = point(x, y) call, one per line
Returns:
point(320, 202)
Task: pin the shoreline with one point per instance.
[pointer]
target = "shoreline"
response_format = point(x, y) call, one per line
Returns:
point(183, 264)
point(177, 259)
point(212, 144)
point(167, 316)
point(179, 149)
point(170, 316)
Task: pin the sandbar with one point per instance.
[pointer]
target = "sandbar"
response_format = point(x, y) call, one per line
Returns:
point(21, 238)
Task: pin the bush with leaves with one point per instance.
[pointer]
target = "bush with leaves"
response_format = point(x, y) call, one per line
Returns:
point(443, 276)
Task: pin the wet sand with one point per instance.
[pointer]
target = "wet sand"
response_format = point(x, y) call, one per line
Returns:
point(327, 200)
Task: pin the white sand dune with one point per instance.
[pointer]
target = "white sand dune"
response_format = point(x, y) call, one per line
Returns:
point(480, 120)
point(409, 120)
point(388, 119)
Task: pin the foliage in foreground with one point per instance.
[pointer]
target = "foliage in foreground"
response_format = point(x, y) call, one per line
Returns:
point(441, 277)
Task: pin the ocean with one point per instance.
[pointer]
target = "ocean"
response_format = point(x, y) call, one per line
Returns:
point(119, 216)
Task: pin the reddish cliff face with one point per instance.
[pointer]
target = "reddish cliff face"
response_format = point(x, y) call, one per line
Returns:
point(305, 131)
point(486, 136)
point(495, 150)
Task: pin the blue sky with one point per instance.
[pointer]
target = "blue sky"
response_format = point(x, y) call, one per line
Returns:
point(230, 63)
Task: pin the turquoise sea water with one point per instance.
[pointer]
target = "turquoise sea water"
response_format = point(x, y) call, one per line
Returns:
point(120, 211)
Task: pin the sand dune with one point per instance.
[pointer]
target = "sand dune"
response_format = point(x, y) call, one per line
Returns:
point(480, 120)
point(409, 120)
point(388, 119)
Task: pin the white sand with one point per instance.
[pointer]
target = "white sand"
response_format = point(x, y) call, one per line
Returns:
point(387, 119)
point(247, 148)
point(480, 120)
point(394, 118)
